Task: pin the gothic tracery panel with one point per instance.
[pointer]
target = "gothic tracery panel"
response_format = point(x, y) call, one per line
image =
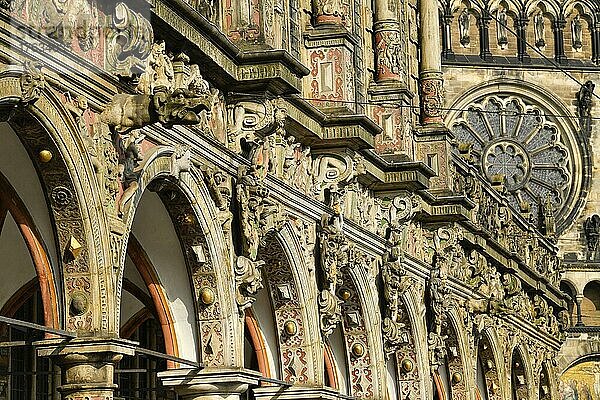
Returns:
point(510, 137)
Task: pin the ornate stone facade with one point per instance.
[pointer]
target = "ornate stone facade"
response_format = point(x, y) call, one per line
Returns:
point(216, 197)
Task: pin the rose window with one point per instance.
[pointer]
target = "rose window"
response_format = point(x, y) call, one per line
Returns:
point(516, 140)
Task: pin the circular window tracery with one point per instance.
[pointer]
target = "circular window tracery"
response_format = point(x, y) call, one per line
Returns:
point(515, 139)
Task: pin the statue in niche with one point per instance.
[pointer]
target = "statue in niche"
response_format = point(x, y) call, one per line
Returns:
point(501, 28)
point(464, 26)
point(577, 31)
point(591, 229)
point(539, 29)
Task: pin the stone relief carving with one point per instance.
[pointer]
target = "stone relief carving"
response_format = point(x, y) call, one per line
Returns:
point(129, 42)
point(327, 12)
point(169, 94)
point(395, 325)
point(32, 82)
point(248, 280)
point(68, 20)
point(334, 255)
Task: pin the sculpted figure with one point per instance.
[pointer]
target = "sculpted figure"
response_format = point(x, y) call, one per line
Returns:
point(584, 106)
point(464, 26)
point(577, 31)
point(539, 27)
point(168, 94)
point(502, 31)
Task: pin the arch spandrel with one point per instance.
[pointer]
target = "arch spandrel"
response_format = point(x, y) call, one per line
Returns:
point(196, 221)
point(43, 123)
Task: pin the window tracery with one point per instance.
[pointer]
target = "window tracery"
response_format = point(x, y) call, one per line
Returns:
point(515, 139)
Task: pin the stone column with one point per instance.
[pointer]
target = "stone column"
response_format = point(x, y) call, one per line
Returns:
point(578, 300)
point(484, 35)
point(447, 51)
point(558, 28)
point(210, 383)
point(521, 27)
point(596, 43)
point(430, 68)
point(388, 45)
point(87, 365)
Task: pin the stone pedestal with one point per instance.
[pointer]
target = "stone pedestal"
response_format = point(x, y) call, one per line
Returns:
point(87, 365)
point(209, 383)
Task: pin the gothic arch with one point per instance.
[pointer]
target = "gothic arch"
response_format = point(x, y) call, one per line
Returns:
point(533, 103)
point(194, 216)
point(45, 124)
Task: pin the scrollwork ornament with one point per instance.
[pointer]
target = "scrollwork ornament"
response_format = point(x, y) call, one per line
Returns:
point(248, 278)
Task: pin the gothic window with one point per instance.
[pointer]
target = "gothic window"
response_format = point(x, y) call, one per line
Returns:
point(512, 138)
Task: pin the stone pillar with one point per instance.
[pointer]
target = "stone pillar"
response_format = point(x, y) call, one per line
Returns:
point(210, 383)
point(447, 51)
point(87, 365)
point(388, 45)
point(558, 28)
point(578, 300)
point(484, 35)
point(521, 27)
point(596, 43)
point(430, 67)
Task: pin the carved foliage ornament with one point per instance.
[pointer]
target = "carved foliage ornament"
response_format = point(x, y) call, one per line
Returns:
point(334, 255)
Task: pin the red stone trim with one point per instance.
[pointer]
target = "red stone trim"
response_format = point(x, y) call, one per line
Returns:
point(258, 343)
point(157, 292)
point(11, 201)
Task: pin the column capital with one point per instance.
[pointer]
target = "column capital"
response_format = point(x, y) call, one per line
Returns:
point(87, 364)
point(209, 383)
point(296, 393)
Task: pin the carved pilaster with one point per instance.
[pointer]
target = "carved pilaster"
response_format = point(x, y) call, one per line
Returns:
point(327, 12)
point(432, 97)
